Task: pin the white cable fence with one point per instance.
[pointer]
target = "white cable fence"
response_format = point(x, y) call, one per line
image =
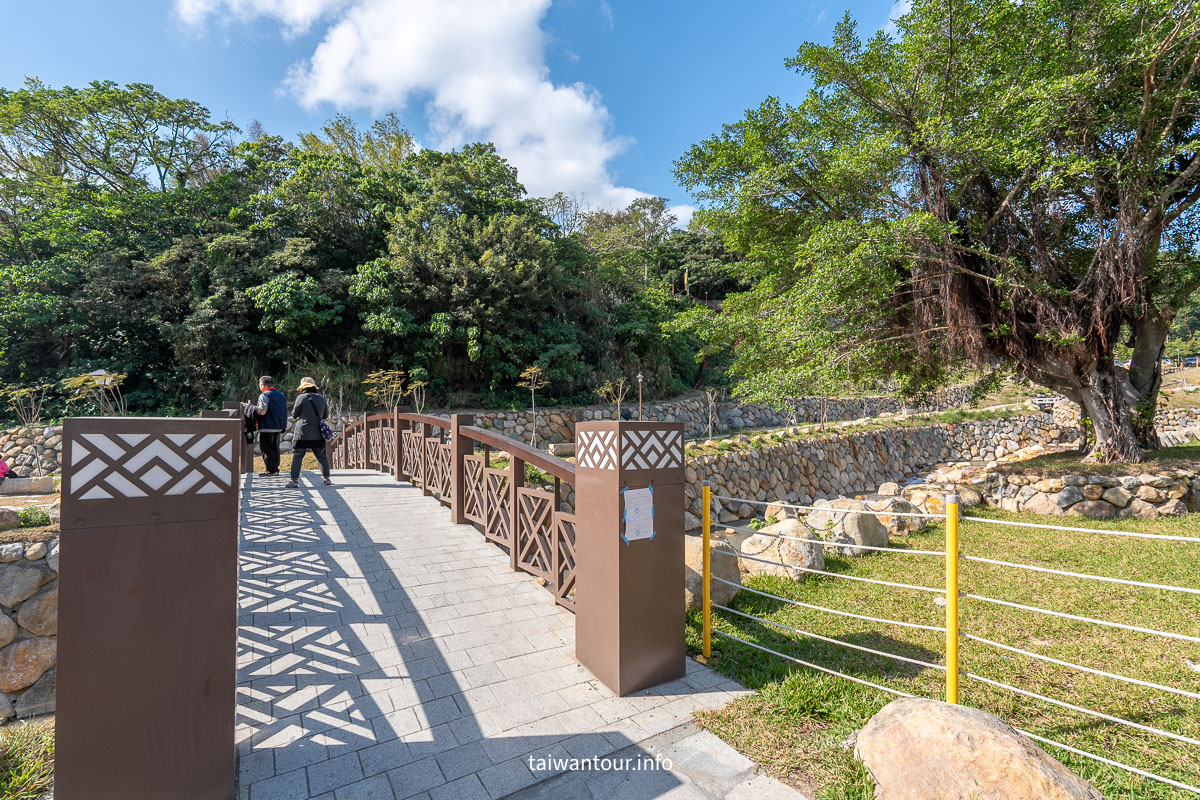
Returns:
point(951, 633)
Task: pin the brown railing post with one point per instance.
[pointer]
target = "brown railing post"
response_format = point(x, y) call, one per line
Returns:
point(516, 479)
point(460, 446)
point(629, 612)
point(147, 609)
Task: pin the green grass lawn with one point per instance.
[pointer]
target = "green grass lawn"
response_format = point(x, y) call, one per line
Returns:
point(26, 759)
point(800, 720)
point(1182, 456)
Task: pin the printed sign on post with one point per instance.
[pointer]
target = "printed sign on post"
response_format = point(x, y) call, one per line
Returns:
point(639, 514)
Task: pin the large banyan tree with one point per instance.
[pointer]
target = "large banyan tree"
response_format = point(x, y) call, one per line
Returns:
point(996, 182)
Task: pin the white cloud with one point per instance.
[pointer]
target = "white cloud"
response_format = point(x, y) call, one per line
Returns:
point(477, 65)
point(899, 9)
point(683, 213)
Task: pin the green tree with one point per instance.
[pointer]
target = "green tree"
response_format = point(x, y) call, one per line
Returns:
point(999, 182)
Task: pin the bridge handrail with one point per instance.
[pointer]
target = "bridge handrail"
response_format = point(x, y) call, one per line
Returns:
point(563, 470)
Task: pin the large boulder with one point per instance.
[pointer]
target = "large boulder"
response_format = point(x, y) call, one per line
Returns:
point(39, 698)
point(723, 566)
point(919, 749)
point(835, 521)
point(896, 525)
point(9, 518)
point(798, 556)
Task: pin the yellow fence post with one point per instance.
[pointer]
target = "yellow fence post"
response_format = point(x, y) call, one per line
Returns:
point(952, 598)
point(706, 578)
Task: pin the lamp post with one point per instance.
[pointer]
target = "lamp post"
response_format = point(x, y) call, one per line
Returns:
point(639, 377)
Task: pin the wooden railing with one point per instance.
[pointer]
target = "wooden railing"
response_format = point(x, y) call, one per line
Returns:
point(452, 460)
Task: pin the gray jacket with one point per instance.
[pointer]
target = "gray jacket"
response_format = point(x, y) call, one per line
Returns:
point(309, 409)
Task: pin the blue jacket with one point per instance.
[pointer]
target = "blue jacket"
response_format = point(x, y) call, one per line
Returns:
point(275, 404)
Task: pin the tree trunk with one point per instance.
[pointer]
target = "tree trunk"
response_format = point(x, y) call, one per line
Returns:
point(1102, 399)
point(1144, 377)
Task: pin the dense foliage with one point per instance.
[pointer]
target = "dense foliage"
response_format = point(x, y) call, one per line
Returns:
point(1006, 183)
point(138, 235)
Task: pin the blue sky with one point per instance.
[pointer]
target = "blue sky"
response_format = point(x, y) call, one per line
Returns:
point(597, 97)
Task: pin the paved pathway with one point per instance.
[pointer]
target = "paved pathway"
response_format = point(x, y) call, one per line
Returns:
point(386, 653)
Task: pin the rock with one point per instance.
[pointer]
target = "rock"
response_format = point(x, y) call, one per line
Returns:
point(35, 551)
point(919, 749)
point(6, 707)
point(8, 630)
point(39, 614)
point(52, 557)
point(723, 566)
point(11, 551)
point(24, 661)
point(847, 528)
point(779, 512)
point(930, 499)
point(1092, 492)
point(1042, 503)
point(39, 698)
point(1118, 496)
point(1049, 485)
point(9, 519)
point(1093, 509)
point(797, 555)
point(19, 581)
point(1172, 508)
point(1140, 509)
point(1069, 496)
point(896, 526)
point(1075, 480)
point(1150, 494)
point(889, 489)
point(691, 522)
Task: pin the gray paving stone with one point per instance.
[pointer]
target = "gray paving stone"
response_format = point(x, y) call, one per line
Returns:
point(287, 786)
point(336, 772)
point(375, 788)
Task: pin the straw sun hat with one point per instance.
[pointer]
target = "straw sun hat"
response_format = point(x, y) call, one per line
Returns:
point(307, 383)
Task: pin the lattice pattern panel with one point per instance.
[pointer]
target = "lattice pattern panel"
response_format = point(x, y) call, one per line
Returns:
point(497, 505)
point(535, 552)
point(375, 440)
point(473, 496)
point(433, 465)
point(563, 584)
point(445, 483)
point(596, 449)
point(412, 455)
point(651, 449)
point(388, 444)
point(104, 466)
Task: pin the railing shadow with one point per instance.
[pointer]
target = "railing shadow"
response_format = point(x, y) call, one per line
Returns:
point(340, 655)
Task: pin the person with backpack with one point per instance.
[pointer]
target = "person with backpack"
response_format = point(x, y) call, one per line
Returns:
point(310, 412)
point(272, 420)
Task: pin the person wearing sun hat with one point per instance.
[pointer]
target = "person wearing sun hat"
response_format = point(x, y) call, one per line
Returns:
point(309, 411)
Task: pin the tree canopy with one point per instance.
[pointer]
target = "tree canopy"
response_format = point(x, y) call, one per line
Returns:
point(997, 183)
point(140, 235)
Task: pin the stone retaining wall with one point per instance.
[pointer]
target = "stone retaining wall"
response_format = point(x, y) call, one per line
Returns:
point(28, 627)
point(1168, 493)
point(21, 448)
point(804, 470)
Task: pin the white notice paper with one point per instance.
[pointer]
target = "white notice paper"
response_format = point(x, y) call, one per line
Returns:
point(639, 514)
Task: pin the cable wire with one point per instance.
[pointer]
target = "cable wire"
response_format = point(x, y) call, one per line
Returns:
point(1081, 668)
point(1071, 706)
point(831, 574)
point(813, 666)
point(832, 610)
point(834, 510)
point(1170, 538)
point(825, 543)
point(1109, 761)
point(1092, 620)
point(831, 641)
point(1084, 575)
